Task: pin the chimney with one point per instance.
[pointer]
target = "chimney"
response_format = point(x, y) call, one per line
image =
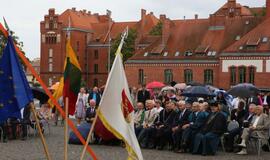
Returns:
point(196, 16)
point(165, 29)
point(84, 11)
point(73, 9)
point(268, 8)
point(51, 11)
point(89, 13)
point(232, 3)
point(162, 17)
point(143, 13)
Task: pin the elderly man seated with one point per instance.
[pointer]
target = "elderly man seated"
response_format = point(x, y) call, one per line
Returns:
point(145, 136)
point(259, 127)
point(196, 120)
point(138, 118)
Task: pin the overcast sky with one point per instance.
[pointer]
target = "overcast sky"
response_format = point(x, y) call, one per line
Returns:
point(24, 16)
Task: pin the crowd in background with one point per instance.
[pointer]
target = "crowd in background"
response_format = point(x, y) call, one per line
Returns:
point(167, 119)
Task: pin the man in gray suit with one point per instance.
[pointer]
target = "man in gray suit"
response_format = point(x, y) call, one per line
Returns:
point(259, 127)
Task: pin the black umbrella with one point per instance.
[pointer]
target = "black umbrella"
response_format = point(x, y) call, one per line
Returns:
point(193, 83)
point(244, 90)
point(197, 91)
point(40, 94)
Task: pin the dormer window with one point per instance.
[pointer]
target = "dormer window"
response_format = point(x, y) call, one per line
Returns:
point(237, 38)
point(177, 54)
point(165, 54)
point(253, 41)
point(145, 54)
point(188, 53)
point(265, 39)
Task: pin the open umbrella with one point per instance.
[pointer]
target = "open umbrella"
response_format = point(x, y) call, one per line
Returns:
point(193, 83)
point(244, 90)
point(40, 94)
point(167, 88)
point(180, 86)
point(154, 84)
point(197, 91)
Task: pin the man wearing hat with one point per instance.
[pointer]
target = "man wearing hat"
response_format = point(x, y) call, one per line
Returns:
point(207, 140)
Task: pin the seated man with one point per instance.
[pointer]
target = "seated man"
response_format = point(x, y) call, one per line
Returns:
point(163, 125)
point(196, 120)
point(207, 140)
point(138, 118)
point(145, 136)
point(90, 111)
point(259, 127)
point(26, 121)
point(180, 119)
point(243, 120)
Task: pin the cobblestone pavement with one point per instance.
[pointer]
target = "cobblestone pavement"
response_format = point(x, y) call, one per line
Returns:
point(32, 149)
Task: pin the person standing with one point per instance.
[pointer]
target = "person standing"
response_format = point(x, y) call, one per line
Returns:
point(80, 106)
point(95, 95)
point(143, 95)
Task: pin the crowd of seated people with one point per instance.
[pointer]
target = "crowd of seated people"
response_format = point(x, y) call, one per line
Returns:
point(197, 126)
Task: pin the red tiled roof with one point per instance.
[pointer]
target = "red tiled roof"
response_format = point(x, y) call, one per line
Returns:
point(78, 19)
point(252, 38)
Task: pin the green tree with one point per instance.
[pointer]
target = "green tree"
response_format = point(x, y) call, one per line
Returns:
point(128, 47)
point(157, 29)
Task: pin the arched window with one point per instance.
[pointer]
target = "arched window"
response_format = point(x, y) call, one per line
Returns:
point(252, 71)
point(141, 76)
point(168, 76)
point(188, 75)
point(242, 74)
point(208, 76)
point(233, 75)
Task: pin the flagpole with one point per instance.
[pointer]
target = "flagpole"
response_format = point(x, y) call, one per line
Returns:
point(66, 131)
point(89, 135)
point(40, 132)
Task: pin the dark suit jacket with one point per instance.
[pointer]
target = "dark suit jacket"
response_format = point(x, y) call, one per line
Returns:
point(200, 121)
point(216, 124)
point(183, 120)
point(90, 114)
point(143, 96)
point(165, 118)
point(98, 97)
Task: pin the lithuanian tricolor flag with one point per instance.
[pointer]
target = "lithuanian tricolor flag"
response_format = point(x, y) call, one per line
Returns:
point(72, 77)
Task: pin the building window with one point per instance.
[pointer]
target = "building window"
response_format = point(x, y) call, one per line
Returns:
point(188, 75)
point(50, 60)
point(95, 82)
point(51, 25)
point(96, 53)
point(242, 74)
point(168, 76)
point(141, 76)
point(58, 38)
point(50, 39)
point(50, 81)
point(252, 74)
point(95, 68)
point(50, 53)
point(50, 67)
point(46, 25)
point(232, 75)
point(55, 25)
point(208, 76)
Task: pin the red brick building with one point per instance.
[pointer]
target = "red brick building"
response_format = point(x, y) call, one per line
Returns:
point(229, 47)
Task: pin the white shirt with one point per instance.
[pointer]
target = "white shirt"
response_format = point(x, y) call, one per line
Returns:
point(158, 110)
point(256, 121)
point(265, 100)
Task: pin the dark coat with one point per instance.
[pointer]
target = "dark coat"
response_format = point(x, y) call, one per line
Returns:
point(238, 116)
point(183, 120)
point(90, 114)
point(165, 118)
point(199, 121)
point(215, 123)
point(98, 97)
point(143, 95)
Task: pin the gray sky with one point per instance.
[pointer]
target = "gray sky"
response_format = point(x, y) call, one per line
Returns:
point(24, 16)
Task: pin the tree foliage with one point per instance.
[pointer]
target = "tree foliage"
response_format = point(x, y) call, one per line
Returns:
point(3, 42)
point(157, 29)
point(128, 47)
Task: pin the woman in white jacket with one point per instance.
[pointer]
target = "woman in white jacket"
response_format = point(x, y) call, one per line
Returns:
point(80, 106)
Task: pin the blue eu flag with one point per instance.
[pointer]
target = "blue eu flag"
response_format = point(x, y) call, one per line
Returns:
point(15, 92)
